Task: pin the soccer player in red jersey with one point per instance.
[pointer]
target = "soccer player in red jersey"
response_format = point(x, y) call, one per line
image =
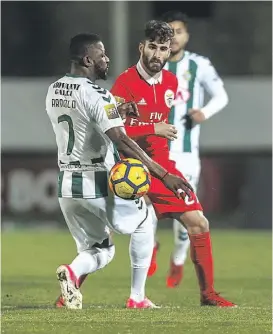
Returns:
point(153, 90)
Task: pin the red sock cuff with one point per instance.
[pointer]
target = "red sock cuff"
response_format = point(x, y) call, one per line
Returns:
point(199, 236)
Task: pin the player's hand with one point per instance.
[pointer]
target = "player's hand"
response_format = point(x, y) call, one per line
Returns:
point(128, 109)
point(197, 115)
point(165, 130)
point(177, 185)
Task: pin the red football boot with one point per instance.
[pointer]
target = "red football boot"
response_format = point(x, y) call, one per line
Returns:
point(175, 275)
point(214, 299)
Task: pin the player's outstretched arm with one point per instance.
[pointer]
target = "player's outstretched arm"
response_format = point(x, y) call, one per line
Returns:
point(130, 149)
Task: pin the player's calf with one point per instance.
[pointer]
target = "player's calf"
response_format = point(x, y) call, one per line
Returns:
point(87, 262)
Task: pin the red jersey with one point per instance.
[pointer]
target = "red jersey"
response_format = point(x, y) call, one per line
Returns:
point(154, 99)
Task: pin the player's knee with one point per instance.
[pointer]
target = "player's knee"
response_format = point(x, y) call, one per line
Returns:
point(195, 222)
point(203, 223)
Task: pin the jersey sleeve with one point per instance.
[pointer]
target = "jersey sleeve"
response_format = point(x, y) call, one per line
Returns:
point(104, 110)
point(120, 92)
point(214, 85)
point(210, 78)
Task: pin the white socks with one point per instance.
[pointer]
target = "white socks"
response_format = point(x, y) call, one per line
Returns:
point(89, 261)
point(141, 248)
point(181, 243)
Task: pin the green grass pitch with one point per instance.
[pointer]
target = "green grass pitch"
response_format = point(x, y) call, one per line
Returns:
point(243, 269)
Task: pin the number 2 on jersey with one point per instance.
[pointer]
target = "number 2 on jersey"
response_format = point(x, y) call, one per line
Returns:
point(71, 135)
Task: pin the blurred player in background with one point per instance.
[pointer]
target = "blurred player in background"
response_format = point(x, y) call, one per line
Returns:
point(88, 127)
point(154, 89)
point(195, 74)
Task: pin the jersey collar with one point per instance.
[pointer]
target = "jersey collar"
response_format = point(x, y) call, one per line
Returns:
point(157, 78)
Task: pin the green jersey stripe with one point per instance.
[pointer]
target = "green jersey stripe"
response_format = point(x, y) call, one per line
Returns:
point(116, 154)
point(60, 183)
point(172, 68)
point(101, 184)
point(76, 187)
point(187, 134)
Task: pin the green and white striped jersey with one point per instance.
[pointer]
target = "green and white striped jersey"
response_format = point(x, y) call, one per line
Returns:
point(81, 112)
point(195, 74)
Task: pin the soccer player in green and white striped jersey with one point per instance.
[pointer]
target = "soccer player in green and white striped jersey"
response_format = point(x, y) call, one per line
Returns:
point(195, 75)
point(88, 127)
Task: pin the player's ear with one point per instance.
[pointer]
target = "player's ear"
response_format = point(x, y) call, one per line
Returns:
point(187, 37)
point(141, 47)
point(87, 61)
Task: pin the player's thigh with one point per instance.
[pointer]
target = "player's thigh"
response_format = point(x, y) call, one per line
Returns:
point(166, 204)
point(84, 222)
point(124, 216)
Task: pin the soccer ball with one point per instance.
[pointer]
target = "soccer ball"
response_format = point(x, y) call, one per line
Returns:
point(129, 179)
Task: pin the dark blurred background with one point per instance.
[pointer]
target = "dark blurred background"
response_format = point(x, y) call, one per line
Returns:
point(35, 35)
point(236, 179)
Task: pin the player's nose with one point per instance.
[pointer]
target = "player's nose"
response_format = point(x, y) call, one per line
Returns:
point(157, 54)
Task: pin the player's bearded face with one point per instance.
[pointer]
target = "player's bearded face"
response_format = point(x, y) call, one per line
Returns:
point(101, 69)
point(155, 56)
point(100, 60)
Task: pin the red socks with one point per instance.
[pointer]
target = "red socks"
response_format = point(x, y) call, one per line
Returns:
point(201, 255)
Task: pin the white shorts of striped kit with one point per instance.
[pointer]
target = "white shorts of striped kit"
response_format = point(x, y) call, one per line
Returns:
point(90, 220)
point(189, 165)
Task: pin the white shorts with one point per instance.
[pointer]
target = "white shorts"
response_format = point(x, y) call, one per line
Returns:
point(189, 165)
point(91, 220)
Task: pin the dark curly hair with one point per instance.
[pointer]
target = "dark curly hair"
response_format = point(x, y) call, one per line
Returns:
point(174, 15)
point(80, 43)
point(158, 30)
